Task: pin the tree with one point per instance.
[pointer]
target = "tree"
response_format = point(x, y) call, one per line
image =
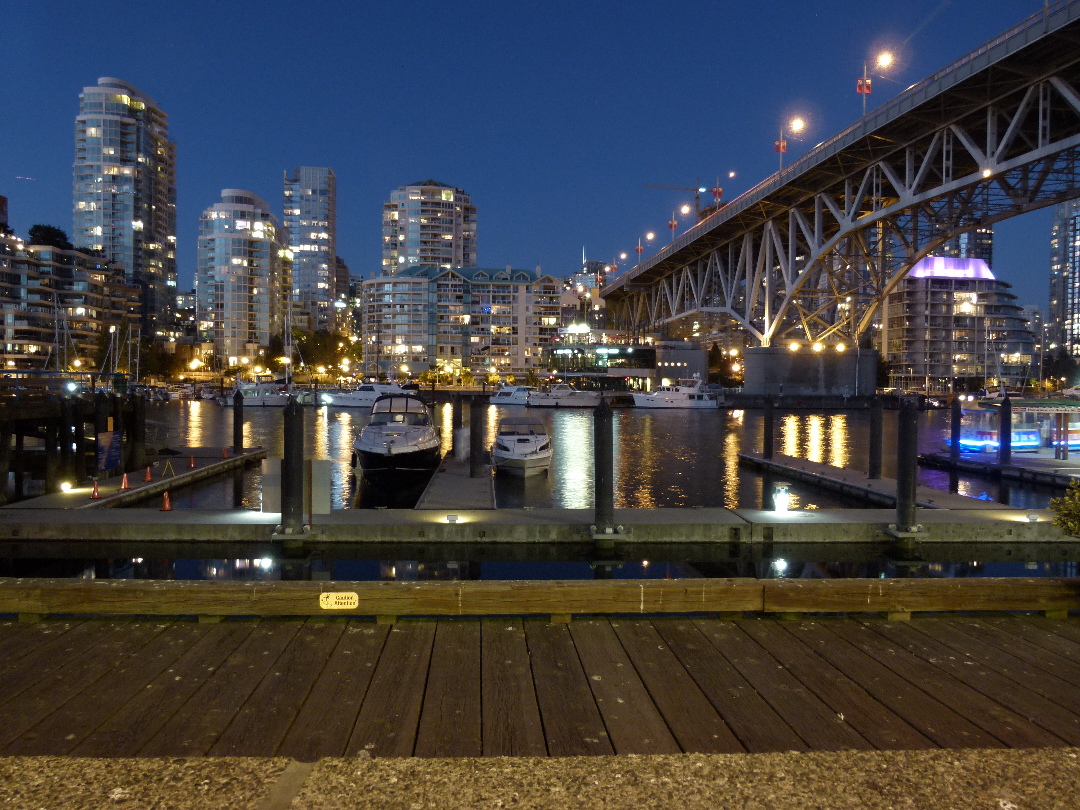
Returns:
point(51, 236)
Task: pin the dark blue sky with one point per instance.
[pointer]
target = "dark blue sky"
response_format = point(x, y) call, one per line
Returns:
point(554, 116)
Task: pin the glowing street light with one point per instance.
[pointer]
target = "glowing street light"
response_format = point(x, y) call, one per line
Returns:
point(883, 61)
point(795, 126)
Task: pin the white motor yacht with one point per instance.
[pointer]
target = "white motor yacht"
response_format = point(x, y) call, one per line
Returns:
point(683, 394)
point(512, 395)
point(400, 438)
point(522, 446)
point(562, 395)
point(363, 396)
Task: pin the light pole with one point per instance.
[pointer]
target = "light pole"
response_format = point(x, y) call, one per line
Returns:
point(795, 126)
point(882, 61)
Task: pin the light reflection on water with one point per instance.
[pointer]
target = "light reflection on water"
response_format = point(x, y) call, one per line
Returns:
point(662, 458)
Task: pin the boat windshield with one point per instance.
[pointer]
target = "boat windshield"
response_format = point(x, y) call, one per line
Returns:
point(521, 428)
point(399, 419)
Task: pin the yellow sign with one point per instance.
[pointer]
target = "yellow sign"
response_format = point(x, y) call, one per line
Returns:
point(342, 600)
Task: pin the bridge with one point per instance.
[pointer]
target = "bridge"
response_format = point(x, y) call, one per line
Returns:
point(812, 251)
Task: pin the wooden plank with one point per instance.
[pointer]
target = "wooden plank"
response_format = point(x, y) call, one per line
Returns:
point(572, 722)
point(1038, 655)
point(64, 644)
point(26, 638)
point(325, 721)
point(1067, 628)
point(1001, 661)
point(42, 698)
point(634, 724)
point(260, 725)
point(203, 718)
point(749, 716)
point(1047, 713)
point(390, 714)
point(464, 598)
point(1007, 726)
point(511, 717)
point(123, 734)
point(809, 717)
point(931, 717)
point(66, 727)
point(692, 719)
point(450, 721)
point(908, 595)
point(1061, 636)
point(851, 703)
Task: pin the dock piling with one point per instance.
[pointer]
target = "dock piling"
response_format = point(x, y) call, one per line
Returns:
point(956, 415)
point(292, 470)
point(1005, 431)
point(767, 430)
point(238, 423)
point(604, 470)
point(873, 461)
point(907, 451)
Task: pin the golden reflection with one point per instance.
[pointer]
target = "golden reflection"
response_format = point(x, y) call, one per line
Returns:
point(572, 454)
point(193, 424)
point(445, 418)
point(731, 469)
point(789, 435)
point(491, 426)
point(839, 451)
point(815, 438)
point(638, 457)
point(321, 446)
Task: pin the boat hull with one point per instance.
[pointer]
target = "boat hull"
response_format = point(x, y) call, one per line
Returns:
point(521, 466)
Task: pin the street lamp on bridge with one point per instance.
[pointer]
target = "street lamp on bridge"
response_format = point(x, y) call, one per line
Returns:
point(795, 126)
point(863, 85)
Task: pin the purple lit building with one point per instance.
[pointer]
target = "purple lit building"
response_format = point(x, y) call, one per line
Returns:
point(950, 325)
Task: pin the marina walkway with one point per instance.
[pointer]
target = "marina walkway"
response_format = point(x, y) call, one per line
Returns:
point(527, 688)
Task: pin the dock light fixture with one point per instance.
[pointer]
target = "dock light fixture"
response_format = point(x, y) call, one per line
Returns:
point(781, 497)
point(793, 346)
point(1033, 518)
point(818, 347)
point(65, 486)
point(451, 518)
point(780, 566)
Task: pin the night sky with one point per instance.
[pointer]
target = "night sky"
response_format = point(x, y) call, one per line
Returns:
point(554, 116)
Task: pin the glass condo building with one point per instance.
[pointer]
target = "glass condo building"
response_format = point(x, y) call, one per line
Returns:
point(125, 192)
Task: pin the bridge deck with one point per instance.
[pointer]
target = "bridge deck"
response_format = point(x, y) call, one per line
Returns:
point(507, 686)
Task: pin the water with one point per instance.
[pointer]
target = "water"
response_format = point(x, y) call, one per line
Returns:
point(663, 458)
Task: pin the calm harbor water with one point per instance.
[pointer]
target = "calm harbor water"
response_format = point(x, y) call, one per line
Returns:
point(662, 459)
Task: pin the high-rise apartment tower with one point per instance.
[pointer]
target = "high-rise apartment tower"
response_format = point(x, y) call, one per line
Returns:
point(243, 280)
point(428, 224)
point(125, 191)
point(1063, 320)
point(311, 233)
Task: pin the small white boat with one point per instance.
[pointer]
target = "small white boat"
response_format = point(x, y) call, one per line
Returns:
point(512, 395)
point(522, 446)
point(274, 394)
point(683, 394)
point(363, 396)
point(400, 438)
point(562, 395)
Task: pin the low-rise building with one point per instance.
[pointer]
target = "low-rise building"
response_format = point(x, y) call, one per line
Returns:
point(458, 319)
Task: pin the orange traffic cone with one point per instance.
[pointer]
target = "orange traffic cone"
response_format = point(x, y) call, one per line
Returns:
point(124, 482)
point(191, 462)
point(95, 495)
point(224, 452)
point(148, 476)
point(166, 506)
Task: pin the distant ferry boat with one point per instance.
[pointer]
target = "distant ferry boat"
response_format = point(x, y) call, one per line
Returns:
point(683, 394)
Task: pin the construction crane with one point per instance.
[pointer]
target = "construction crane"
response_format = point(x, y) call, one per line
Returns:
point(698, 190)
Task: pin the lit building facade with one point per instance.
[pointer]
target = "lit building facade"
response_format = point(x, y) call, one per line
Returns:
point(462, 319)
point(311, 233)
point(1063, 318)
point(125, 192)
point(64, 310)
point(950, 325)
point(428, 224)
point(243, 280)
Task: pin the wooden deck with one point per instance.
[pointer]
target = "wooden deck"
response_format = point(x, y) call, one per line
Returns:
point(511, 687)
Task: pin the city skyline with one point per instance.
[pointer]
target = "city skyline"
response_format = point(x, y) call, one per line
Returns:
point(555, 120)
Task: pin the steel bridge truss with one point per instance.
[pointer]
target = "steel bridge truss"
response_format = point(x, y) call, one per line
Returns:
point(816, 258)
